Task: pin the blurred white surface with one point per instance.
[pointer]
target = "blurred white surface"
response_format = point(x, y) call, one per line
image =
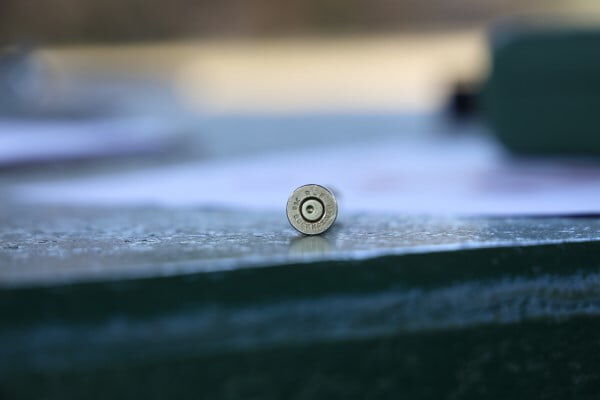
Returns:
point(413, 172)
point(39, 141)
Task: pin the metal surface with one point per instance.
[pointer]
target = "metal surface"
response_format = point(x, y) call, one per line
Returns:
point(312, 209)
point(48, 245)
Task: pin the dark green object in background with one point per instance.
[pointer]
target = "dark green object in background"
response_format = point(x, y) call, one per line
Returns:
point(543, 93)
point(183, 303)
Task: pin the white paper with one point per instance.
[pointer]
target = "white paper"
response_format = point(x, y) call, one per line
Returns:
point(440, 175)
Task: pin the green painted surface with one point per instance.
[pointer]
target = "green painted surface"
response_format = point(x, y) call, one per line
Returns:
point(222, 304)
point(529, 360)
point(543, 93)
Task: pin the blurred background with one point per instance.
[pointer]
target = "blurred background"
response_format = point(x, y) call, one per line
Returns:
point(423, 107)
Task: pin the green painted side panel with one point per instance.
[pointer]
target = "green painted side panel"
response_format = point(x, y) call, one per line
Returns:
point(551, 360)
